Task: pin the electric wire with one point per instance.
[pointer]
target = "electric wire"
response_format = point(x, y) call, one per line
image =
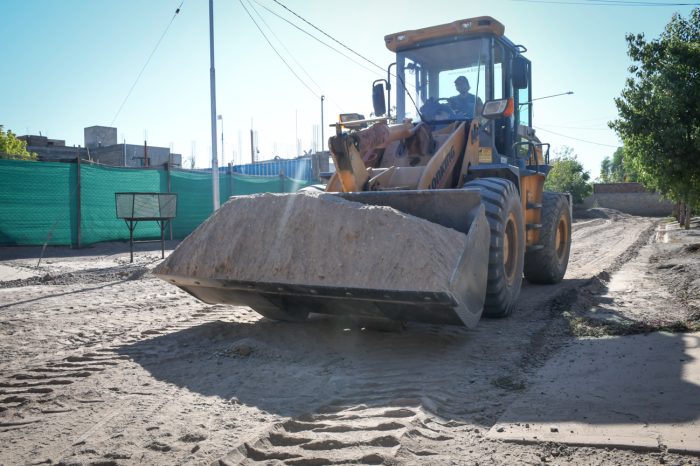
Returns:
point(639, 2)
point(620, 3)
point(575, 139)
point(315, 38)
point(586, 120)
point(329, 36)
point(586, 128)
point(177, 11)
point(284, 47)
point(333, 48)
point(278, 54)
point(330, 98)
point(403, 83)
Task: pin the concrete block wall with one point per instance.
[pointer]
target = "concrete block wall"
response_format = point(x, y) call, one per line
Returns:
point(100, 136)
point(628, 198)
point(607, 188)
point(58, 153)
point(41, 141)
point(133, 154)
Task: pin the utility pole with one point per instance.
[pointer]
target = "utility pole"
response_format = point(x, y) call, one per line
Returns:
point(223, 152)
point(240, 146)
point(212, 84)
point(323, 97)
point(252, 147)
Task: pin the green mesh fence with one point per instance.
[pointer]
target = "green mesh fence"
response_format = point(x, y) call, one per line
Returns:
point(99, 220)
point(39, 200)
point(37, 203)
point(194, 202)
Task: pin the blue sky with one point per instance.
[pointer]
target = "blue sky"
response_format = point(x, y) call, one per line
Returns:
point(70, 64)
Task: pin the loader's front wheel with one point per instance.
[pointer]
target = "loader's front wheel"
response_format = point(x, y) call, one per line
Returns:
point(548, 264)
point(507, 246)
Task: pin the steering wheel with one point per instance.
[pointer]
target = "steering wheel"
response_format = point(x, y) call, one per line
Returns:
point(434, 110)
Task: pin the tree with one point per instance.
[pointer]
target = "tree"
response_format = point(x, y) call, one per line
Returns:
point(617, 169)
point(606, 170)
point(659, 111)
point(567, 175)
point(13, 148)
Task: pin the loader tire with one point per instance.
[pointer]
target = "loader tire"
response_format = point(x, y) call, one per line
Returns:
point(504, 213)
point(548, 265)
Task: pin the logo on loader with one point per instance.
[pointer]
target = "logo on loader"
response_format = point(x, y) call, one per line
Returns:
point(444, 168)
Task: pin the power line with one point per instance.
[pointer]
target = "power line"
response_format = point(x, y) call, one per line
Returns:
point(284, 47)
point(575, 139)
point(334, 40)
point(177, 11)
point(329, 36)
point(316, 38)
point(344, 46)
point(587, 128)
point(586, 120)
point(339, 52)
point(276, 52)
point(324, 43)
point(622, 3)
point(639, 2)
point(330, 98)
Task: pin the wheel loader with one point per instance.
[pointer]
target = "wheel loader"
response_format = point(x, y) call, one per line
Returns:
point(456, 150)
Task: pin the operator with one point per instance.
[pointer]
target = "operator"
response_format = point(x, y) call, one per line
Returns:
point(463, 104)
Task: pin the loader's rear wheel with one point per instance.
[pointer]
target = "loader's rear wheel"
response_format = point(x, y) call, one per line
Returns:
point(504, 213)
point(548, 264)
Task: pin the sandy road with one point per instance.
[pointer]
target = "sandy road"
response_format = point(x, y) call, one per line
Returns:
point(101, 363)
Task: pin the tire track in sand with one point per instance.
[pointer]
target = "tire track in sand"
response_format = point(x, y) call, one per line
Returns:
point(22, 390)
point(385, 406)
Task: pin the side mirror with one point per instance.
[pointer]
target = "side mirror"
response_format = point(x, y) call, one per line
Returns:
point(502, 108)
point(520, 73)
point(378, 99)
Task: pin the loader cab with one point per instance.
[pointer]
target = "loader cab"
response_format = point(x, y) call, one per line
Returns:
point(430, 60)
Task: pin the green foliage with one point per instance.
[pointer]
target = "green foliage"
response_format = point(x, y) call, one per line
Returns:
point(13, 148)
point(606, 170)
point(617, 170)
point(567, 175)
point(659, 110)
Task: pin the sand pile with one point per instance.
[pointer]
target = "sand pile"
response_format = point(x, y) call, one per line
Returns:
point(601, 212)
point(318, 239)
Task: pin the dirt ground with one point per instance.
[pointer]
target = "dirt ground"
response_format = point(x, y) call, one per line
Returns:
point(103, 364)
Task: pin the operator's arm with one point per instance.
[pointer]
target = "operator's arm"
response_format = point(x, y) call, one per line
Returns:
point(479, 107)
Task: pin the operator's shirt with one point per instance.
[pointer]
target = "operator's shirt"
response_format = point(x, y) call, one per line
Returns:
point(463, 105)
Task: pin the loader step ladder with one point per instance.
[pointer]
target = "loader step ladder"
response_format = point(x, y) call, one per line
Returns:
point(534, 226)
point(136, 207)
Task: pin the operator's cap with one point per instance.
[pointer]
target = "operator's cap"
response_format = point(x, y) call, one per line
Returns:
point(462, 79)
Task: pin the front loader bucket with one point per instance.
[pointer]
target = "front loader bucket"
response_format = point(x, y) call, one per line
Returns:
point(432, 269)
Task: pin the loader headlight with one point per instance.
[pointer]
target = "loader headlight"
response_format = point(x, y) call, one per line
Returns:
point(498, 108)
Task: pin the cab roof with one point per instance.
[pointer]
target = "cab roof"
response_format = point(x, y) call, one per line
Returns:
point(465, 27)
